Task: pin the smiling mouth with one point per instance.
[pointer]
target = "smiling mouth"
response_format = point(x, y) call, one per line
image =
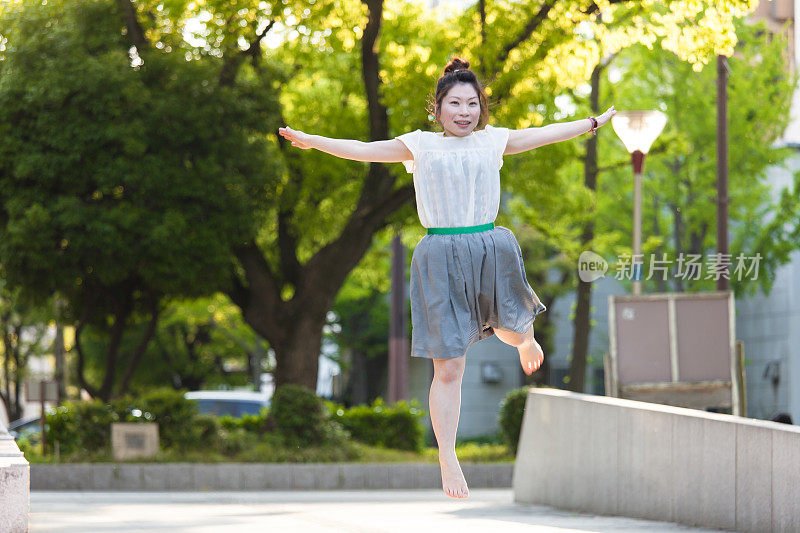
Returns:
point(463, 123)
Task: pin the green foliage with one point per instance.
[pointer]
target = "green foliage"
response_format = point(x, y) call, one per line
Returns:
point(473, 452)
point(301, 418)
point(82, 431)
point(194, 337)
point(83, 426)
point(105, 175)
point(174, 414)
point(512, 409)
point(125, 176)
point(391, 426)
point(679, 185)
point(207, 429)
point(258, 424)
point(275, 450)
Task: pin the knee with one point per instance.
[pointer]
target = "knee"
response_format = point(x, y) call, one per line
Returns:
point(449, 370)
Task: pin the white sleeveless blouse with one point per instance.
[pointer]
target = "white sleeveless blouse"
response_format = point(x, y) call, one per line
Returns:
point(456, 179)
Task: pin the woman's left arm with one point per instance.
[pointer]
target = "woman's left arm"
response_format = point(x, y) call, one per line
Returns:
point(523, 140)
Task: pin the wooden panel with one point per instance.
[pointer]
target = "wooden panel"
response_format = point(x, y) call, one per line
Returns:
point(642, 341)
point(693, 398)
point(703, 339)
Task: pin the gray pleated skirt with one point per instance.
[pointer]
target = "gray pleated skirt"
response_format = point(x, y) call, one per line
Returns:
point(465, 285)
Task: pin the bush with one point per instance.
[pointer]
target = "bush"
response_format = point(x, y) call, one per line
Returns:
point(207, 430)
point(236, 440)
point(390, 426)
point(258, 424)
point(512, 409)
point(472, 452)
point(301, 419)
point(174, 414)
point(83, 426)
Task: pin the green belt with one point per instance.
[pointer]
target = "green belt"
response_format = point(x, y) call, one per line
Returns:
point(464, 229)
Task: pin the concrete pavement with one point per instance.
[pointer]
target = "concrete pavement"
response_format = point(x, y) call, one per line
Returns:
point(406, 511)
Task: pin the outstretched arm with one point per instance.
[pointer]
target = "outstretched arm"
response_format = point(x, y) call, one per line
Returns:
point(391, 151)
point(523, 140)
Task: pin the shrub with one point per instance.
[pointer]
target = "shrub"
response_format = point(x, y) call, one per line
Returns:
point(512, 409)
point(80, 426)
point(300, 417)
point(85, 426)
point(174, 414)
point(207, 431)
point(236, 440)
point(253, 423)
point(390, 426)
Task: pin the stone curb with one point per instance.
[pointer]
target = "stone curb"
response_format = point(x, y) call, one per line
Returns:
point(257, 476)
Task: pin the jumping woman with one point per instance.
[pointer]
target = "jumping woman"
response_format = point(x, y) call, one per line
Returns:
point(467, 275)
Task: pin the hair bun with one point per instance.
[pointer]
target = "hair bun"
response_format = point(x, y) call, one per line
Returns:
point(456, 64)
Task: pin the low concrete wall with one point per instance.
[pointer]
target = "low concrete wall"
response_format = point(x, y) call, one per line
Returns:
point(610, 456)
point(15, 494)
point(257, 476)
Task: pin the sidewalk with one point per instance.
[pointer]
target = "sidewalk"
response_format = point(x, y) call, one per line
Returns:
point(406, 511)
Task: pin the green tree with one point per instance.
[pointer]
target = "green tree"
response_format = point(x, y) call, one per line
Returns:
point(199, 343)
point(359, 324)
point(23, 328)
point(125, 176)
point(325, 223)
point(679, 215)
point(680, 173)
point(356, 76)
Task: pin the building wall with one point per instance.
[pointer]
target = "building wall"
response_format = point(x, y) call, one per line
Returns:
point(561, 311)
point(769, 325)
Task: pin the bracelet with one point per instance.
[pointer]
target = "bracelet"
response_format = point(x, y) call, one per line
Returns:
point(593, 127)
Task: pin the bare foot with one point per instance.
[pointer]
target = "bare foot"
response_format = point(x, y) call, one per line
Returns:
point(453, 481)
point(531, 357)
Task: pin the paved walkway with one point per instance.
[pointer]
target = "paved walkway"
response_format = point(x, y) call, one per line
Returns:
point(408, 511)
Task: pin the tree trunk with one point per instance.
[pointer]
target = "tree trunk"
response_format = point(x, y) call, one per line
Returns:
point(298, 353)
point(294, 327)
point(123, 311)
point(662, 282)
point(58, 354)
point(583, 300)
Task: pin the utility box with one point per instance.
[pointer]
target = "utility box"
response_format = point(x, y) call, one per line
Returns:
point(674, 349)
point(133, 440)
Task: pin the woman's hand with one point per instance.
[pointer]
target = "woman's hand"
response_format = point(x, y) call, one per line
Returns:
point(297, 138)
point(605, 117)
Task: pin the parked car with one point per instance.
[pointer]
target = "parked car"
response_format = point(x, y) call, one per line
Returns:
point(29, 427)
point(229, 402)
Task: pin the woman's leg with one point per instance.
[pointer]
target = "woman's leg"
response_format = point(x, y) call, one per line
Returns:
point(445, 406)
point(531, 355)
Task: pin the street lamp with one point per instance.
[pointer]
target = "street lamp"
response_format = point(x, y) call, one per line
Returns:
point(638, 130)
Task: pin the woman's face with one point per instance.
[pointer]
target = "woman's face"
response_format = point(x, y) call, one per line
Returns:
point(460, 111)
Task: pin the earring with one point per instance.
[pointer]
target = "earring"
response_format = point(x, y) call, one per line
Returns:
point(431, 117)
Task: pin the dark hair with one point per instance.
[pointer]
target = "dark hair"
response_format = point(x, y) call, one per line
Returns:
point(450, 78)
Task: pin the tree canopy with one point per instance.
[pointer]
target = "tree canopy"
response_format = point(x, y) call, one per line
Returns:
point(121, 181)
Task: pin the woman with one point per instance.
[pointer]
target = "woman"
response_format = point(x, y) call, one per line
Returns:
point(467, 276)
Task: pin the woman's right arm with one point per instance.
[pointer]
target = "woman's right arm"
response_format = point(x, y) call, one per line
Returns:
point(391, 151)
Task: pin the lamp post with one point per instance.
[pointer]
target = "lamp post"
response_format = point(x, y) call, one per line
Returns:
point(637, 130)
